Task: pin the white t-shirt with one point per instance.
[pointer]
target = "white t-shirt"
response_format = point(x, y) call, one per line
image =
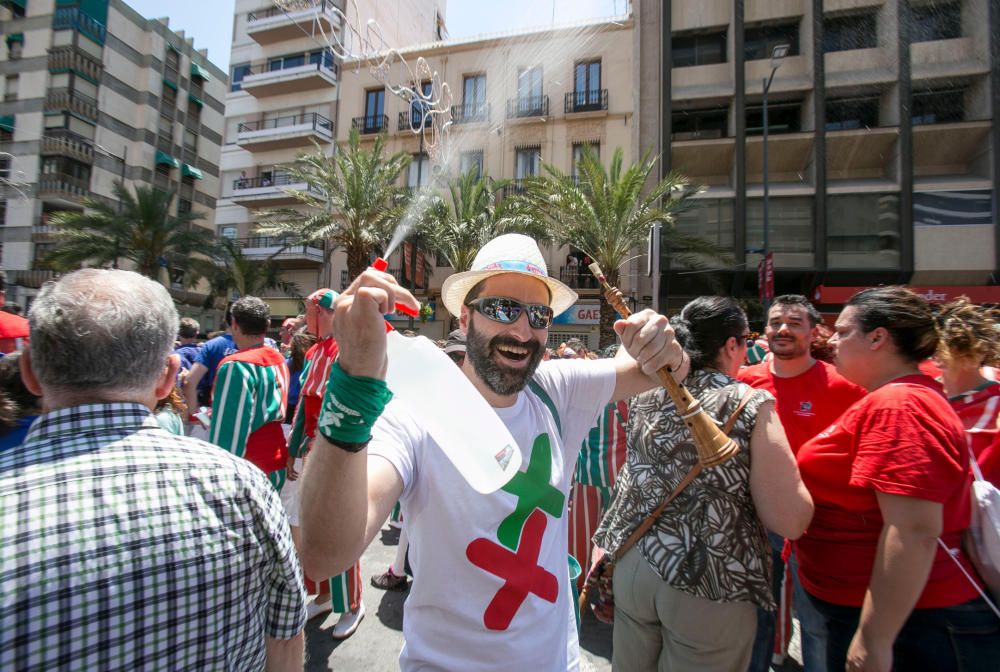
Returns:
point(491, 586)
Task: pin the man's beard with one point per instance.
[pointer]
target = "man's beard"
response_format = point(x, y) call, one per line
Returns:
point(792, 349)
point(502, 380)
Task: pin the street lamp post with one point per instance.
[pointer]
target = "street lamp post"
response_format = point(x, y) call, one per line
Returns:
point(121, 177)
point(777, 55)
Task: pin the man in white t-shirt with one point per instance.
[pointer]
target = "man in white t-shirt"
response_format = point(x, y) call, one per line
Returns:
point(491, 583)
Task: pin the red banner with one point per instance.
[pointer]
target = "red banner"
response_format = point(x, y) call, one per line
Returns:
point(407, 259)
point(938, 294)
point(765, 278)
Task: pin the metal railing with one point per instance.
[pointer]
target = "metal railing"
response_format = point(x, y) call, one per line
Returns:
point(375, 123)
point(588, 100)
point(470, 112)
point(254, 242)
point(517, 186)
point(72, 18)
point(316, 121)
point(274, 180)
point(74, 101)
point(268, 12)
point(273, 65)
point(62, 142)
point(62, 183)
point(409, 121)
point(527, 106)
point(73, 58)
point(577, 277)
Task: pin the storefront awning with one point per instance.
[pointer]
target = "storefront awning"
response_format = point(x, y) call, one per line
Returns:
point(198, 71)
point(7, 123)
point(191, 171)
point(164, 159)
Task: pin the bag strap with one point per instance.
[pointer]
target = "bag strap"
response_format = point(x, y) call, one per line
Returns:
point(953, 553)
point(547, 400)
point(648, 521)
point(977, 473)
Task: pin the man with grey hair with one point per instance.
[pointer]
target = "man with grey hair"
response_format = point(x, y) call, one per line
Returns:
point(124, 546)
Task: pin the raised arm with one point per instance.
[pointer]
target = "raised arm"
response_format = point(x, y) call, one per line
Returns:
point(648, 344)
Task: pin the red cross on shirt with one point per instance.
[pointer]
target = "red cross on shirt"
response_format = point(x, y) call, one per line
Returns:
point(520, 570)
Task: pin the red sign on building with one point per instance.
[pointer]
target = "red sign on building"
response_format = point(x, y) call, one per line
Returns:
point(765, 278)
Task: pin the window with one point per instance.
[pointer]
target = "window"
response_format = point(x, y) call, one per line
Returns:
point(374, 109)
point(781, 118)
point(172, 60)
point(471, 161)
point(578, 154)
point(587, 82)
point(847, 113)
point(228, 231)
point(529, 90)
point(193, 115)
point(197, 87)
point(527, 162)
point(841, 33)
point(936, 21)
point(190, 140)
point(5, 167)
point(949, 208)
point(161, 177)
point(285, 62)
point(474, 97)
point(169, 98)
point(323, 58)
point(789, 221)
point(419, 105)
point(420, 171)
point(711, 220)
point(944, 106)
point(10, 88)
point(239, 72)
point(704, 49)
point(14, 49)
point(862, 230)
point(759, 42)
point(699, 124)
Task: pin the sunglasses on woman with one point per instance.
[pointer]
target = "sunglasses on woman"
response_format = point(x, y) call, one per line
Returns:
point(507, 311)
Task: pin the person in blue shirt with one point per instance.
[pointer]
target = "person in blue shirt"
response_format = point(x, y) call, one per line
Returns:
point(18, 406)
point(187, 349)
point(197, 385)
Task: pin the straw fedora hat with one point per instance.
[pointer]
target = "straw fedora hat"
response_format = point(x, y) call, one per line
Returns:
point(509, 253)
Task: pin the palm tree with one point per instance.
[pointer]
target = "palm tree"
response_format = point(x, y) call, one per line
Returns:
point(139, 229)
point(606, 214)
point(230, 272)
point(352, 197)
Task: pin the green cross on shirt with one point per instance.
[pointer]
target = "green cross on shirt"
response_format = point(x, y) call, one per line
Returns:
point(533, 490)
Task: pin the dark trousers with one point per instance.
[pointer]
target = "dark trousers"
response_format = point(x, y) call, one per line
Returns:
point(963, 638)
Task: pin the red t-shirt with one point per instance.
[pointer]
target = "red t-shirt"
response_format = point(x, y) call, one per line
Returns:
point(807, 403)
point(901, 439)
point(978, 411)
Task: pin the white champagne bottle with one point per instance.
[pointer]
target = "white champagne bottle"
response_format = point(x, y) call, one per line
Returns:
point(465, 426)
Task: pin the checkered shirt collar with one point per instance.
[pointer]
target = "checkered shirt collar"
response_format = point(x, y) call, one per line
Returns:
point(90, 418)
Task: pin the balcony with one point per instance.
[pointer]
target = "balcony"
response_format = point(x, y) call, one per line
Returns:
point(71, 18)
point(409, 121)
point(265, 248)
point(527, 106)
point(271, 25)
point(517, 186)
point(33, 279)
point(470, 113)
point(371, 124)
point(60, 142)
point(59, 100)
point(72, 58)
point(258, 192)
point(63, 189)
point(592, 100)
point(43, 233)
point(299, 130)
point(266, 78)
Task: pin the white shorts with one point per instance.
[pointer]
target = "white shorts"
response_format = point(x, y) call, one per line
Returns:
point(290, 495)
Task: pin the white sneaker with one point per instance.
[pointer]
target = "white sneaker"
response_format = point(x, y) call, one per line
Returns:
point(314, 609)
point(349, 622)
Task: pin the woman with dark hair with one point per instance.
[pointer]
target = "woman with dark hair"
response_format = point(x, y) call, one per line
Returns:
point(301, 341)
point(686, 594)
point(890, 479)
point(18, 406)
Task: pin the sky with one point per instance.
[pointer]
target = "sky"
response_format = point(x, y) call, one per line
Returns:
point(210, 22)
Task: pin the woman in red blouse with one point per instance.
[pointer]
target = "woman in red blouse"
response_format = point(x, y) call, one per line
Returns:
point(888, 479)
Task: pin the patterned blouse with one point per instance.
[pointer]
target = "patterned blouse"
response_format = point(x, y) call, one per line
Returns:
point(709, 541)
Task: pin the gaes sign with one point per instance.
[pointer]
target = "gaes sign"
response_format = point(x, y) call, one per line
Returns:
point(582, 312)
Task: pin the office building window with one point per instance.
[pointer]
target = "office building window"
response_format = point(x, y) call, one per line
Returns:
point(790, 224)
point(943, 106)
point(587, 83)
point(10, 88)
point(862, 230)
point(699, 124)
point(527, 162)
point(936, 21)
point(759, 42)
point(847, 113)
point(711, 220)
point(701, 49)
point(529, 90)
point(228, 231)
point(239, 72)
point(856, 31)
point(471, 161)
point(473, 96)
point(781, 118)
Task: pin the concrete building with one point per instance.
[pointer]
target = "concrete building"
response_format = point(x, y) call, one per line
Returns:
point(518, 100)
point(283, 97)
point(883, 152)
point(94, 93)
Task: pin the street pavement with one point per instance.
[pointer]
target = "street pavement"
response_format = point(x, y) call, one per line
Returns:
point(376, 644)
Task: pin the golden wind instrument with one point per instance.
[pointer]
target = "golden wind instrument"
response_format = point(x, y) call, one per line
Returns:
point(713, 446)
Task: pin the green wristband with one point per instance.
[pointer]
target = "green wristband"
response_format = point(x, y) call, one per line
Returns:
point(351, 406)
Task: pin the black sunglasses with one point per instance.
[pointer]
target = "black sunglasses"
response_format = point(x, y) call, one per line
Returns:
point(507, 311)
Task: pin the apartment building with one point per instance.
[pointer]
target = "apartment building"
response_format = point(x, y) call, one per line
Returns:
point(285, 84)
point(883, 158)
point(518, 100)
point(94, 93)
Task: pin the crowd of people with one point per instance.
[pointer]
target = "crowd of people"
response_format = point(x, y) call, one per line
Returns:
point(170, 504)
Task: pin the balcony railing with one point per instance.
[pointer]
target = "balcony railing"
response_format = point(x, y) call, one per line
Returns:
point(254, 242)
point(71, 18)
point(409, 121)
point(375, 123)
point(33, 278)
point(271, 65)
point(74, 101)
point(516, 186)
point(267, 12)
point(275, 180)
point(317, 121)
point(527, 106)
point(470, 113)
point(577, 277)
point(65, 58)
point(62, 142)
point(590, 100)
point(63, 184)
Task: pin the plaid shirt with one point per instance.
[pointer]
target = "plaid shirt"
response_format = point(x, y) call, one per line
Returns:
point(123, 547)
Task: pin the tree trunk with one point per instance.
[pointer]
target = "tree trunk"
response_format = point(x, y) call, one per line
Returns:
point(357, 262)
point(608, 314)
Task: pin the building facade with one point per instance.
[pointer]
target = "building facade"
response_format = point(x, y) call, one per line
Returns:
point(882, 148)
point(93, 94)
point(283, 96)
